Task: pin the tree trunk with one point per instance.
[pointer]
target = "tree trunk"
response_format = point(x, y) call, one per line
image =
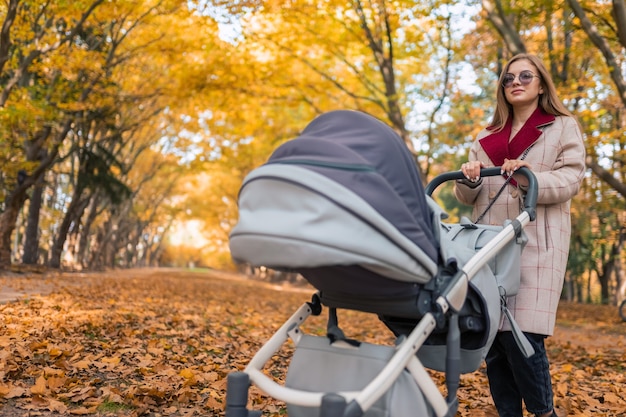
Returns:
point(82, 255)
point(604, 278)
point(5, 33)
point(16, 198)
point(74, 213)
point(612, 64)
point(12, 206)
point(31, 243)
point(108, 235)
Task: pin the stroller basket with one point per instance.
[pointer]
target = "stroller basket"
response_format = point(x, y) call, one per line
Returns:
point(343, 205)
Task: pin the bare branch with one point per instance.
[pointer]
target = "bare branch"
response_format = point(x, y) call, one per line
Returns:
point(619, 13)
point(604, 47)
point(506, 29)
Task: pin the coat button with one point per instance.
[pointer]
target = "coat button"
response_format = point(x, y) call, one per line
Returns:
point(492, 195)
point(514, 193)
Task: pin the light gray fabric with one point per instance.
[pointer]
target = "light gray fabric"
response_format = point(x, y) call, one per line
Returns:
point(318, 366)
point(369, 158)
point(308, 220)
point(484, 283)
point(506, 264)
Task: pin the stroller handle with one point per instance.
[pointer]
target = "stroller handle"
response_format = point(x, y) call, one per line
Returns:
point(530, 200)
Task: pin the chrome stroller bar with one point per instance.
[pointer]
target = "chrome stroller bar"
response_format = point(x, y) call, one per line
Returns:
point(340, 404)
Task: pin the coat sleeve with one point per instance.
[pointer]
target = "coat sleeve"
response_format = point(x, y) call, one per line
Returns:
point(561, 181)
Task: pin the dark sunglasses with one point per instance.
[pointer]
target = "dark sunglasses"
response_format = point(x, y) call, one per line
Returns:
point(525, 77)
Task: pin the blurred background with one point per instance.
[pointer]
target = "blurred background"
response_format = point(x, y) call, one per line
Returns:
point(127, 127)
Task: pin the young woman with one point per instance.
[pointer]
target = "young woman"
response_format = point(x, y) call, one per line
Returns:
point(531, 128)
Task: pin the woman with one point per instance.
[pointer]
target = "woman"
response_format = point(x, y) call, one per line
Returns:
point(531, 128)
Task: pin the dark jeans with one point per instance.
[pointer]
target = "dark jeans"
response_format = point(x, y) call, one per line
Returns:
point(513, 378)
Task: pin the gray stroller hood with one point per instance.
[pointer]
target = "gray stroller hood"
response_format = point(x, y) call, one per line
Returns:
point(368, 157)
point(345, 192)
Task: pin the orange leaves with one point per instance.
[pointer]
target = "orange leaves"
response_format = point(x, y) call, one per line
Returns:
point(133, 343)
point(40, 387)
point(161, 342)
point(10, 391)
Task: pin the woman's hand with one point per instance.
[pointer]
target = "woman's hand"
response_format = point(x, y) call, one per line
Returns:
point(511, 165)
point(471, 170)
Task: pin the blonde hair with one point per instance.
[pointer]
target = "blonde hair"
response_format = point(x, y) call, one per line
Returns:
point(548, 100)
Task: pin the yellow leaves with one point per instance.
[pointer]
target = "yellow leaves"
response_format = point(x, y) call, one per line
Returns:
point(54, 352)
point(111, 394)
point(112, 361)
point(189, 377)
point(56, 383)
point(186, 373)
point(562, 388)
point(83, 411)
point(40, 403)
point(37, 345)
point(82, 365)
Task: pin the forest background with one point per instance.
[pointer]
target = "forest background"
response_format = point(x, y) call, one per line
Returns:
point(127, 127)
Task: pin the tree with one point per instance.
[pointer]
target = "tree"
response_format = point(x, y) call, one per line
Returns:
point(29, 35)
point(376, 57)
point(608, 35)
point(124, 67)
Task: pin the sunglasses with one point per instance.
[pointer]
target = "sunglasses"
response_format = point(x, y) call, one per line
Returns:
point(525, 77)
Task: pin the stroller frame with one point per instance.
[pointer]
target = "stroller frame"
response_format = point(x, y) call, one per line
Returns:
point(446, 307)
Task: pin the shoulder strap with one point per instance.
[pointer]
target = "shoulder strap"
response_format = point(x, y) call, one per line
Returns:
point(519, 336)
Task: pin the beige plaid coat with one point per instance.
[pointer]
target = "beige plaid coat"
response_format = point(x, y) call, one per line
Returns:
point(557, 159)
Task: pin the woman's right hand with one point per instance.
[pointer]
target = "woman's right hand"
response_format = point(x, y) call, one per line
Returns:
point(471, 170)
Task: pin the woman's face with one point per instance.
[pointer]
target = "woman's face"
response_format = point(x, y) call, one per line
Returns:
point(522, 84)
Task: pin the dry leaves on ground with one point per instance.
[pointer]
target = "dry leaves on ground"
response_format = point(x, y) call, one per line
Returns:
point(161, 343)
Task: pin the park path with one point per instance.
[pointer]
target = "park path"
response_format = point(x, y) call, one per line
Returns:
point(587, 348)
point(581, 330)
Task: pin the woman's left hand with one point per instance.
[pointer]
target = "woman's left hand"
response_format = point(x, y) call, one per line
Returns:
point(511, 165)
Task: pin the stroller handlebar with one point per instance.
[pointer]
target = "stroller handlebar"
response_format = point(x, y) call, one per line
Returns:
point(530, 200)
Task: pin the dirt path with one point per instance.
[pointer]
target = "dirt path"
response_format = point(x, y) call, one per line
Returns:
point(592, 327)
point(591, 337)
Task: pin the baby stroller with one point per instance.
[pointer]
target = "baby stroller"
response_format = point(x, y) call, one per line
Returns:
point(343, 205)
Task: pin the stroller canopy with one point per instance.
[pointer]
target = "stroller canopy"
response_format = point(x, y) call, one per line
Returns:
point(369, 158)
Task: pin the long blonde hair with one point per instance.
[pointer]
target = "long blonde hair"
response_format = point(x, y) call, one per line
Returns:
point(548, 100)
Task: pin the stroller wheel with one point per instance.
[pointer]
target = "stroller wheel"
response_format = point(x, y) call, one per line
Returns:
point(237, 396)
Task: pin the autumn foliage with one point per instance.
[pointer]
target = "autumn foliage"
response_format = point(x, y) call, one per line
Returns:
point(161, 342)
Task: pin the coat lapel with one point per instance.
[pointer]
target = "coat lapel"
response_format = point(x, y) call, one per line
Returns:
point(497, 145)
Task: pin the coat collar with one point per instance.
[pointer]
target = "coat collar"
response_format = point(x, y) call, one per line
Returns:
point(497, 145)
